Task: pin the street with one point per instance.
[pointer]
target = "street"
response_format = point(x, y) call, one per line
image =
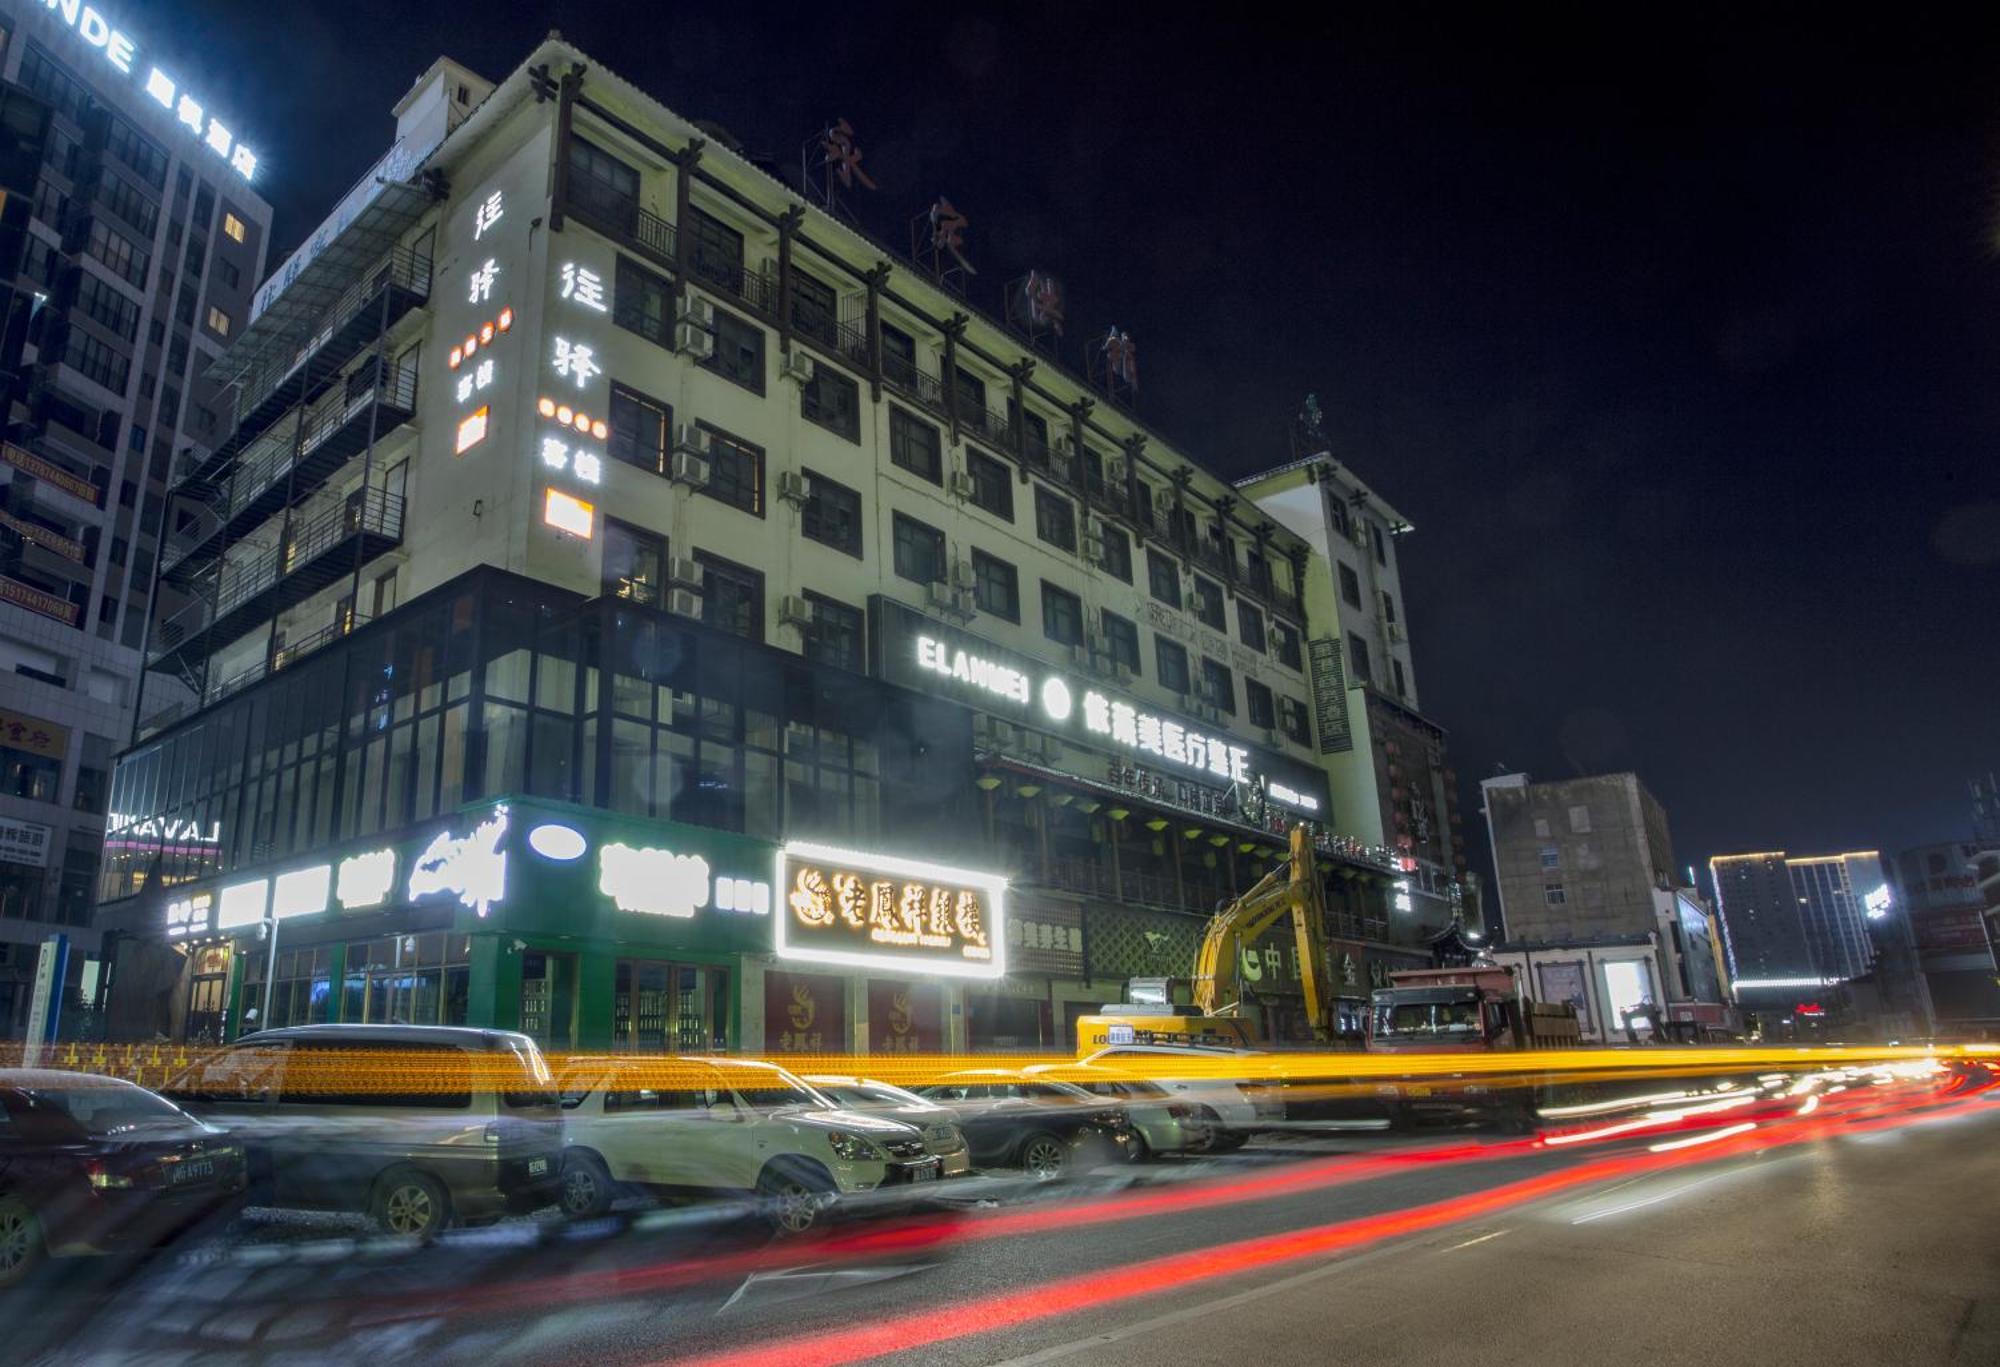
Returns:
point(1860, 1234)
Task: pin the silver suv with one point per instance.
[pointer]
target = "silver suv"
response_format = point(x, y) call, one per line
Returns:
point(419, 1126)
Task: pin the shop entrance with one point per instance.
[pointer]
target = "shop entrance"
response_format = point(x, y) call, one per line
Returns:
point(208, 995)
point(548, 998)
point(659, 1007)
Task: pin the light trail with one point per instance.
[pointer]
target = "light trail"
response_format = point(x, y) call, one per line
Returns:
point(1711, 1137)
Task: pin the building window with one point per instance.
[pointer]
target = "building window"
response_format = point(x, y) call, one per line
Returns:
point(1350, 585)
point(1552, 857)
point(1293, 722)
point(1121, 640)
point(1114, 555)
point(1208, 604)
point(1055, 519)
point(1402, 686)
point(739, 352)
point(1388, 608)
point(603, 187)
point(837, 636)
point(101, 301)
point(992, 486)
point(1288, 651)
point(642, 302)
point(971, 400)
point(732, 597)
point(130, 203)
point(1381, 544)
point(1579, 820)
point(1357, 658)
point(1250, 625)
point(996, 586)
point(232, 227)
point(1163, 577)
point(219, 322)
point(832, 515)
point(144, 156)
point(26, 774)
point(833, 401)
point(715, 250)
point(231, 277)
point(89, 356)
point(1172, 661)
point(634, 563)
point(1259, 704)
point(735, 471)
point(1552, 894)
point(919, 550)
point(640, 428)
point(914, 446)
point(119, 253)
point(1218, 685)
point(1062, 615)
point(814, 308)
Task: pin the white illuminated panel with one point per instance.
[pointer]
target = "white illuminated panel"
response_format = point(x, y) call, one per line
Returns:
point(1056, 701)
point(993, 886)
point(1291, 797)
point(1752, 984)
point(189, 915)
point(553, 840)
point(242, 904)
point(652, 882)
point(364, 880)
point(1877, 903)
point(743, 894)
point(471, 430)
point(568, 513)
point(968, 668)
point(577, 361)
point(490, 211)
point(583, 287)
point(473, 867)
point(301, 892)
point(1126, 725)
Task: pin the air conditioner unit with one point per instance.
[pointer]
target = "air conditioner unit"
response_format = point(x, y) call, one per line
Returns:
point(1396, 632)
point(1121, 671)
point(941, 597)
point(962, 603)
point(1164, 503)
point(797, 367)
point(792, 487)
point(697, 310)
point(795, 610)
point(1271, 737)
point(690, 469)
point(684, 570)
point(961, 484)
point(963, 575)
point(691, 340)
point(684, 603)
point(1063, 446)
point(691, 437)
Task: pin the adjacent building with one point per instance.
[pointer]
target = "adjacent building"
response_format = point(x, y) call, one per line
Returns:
point(1592, 911)
point(133, 237)
point(1939, 887)
point(633, 606)
point(1386, 760)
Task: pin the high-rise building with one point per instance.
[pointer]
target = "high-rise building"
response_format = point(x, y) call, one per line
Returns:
point(1386, 760)
point(141, 239)
point(1798, 921)
point(634, 606)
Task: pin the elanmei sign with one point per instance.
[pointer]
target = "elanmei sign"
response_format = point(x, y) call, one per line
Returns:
point(873, 911)
point(119, 50)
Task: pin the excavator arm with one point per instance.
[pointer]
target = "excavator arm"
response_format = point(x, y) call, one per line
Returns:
point(1293, 889)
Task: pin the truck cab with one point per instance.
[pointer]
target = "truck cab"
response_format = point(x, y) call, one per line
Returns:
point(1464, 1010)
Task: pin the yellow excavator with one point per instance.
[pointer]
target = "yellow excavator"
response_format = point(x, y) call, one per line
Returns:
point(1216, 1019)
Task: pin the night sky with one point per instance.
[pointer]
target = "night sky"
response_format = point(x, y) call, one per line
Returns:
point(1676, 344)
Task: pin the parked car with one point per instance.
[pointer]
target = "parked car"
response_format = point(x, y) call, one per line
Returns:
point(1161, 1123)
point(939, 1124)
point(1234, 1107)
point(419, 1126)
point(94, 1164)
point(707, 1127)
point(1046, 1130)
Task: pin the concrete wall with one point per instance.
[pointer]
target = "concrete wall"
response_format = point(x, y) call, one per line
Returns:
point(1601, 831)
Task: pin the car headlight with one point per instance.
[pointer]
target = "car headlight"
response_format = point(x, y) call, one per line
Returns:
point(852, 1147)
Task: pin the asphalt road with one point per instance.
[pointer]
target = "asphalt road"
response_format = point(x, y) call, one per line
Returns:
point(1861, 1244)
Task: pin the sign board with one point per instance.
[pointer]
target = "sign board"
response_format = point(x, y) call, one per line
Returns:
point(24, 842)
point(33, 599)
point(805, 1013)
point(19, 731)
point(48, 472)
point(1329, 677)
point(45, 1006)
point(877, 911)
point(48, 540)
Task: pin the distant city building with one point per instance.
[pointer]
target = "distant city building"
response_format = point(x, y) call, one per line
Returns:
point(133, 239)
point(1592, 912)
point(1794, 922)
point(1940, 888)
point(1387, 762)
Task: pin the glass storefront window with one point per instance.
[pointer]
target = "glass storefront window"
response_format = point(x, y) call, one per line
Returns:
point(407, 980)
point(660, 1007)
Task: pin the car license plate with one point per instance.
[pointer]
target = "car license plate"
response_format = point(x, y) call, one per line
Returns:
point(191, 1171)
point(927, 1173)
point(538, 1167)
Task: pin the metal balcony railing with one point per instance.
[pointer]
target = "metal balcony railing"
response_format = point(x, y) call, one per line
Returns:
point(903, 375)
point(852, 342)
point(618, 216)
point(754, 288)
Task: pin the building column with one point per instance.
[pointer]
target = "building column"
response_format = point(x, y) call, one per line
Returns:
point(750, 1004)
point(857, 1014)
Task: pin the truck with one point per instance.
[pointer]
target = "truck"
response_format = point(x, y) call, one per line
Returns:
point(1465, 1010)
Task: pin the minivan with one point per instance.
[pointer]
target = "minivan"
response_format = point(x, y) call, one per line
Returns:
point(418, 1126)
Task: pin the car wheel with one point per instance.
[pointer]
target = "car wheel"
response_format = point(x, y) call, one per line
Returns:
point(793, 1199)
point(1045, 1157)
point(410, 1204)
point(21, 1250)
point(586, 1185)
point(1142, 1152)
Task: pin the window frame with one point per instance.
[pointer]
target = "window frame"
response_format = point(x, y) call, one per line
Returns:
point(759, 504)
point(901, 420)
point(1055, 519)
point(1160, 565)
point(1055, 596)
point(730, 570)
point(1164, 649)
point(1003, 571)
point(899, 521)
point(815, 482)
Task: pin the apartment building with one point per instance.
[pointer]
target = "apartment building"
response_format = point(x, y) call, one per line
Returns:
point(140, 238)
point(636, 607)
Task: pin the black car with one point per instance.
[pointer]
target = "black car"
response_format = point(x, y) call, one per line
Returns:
point(1045, 1129)
point(94, 1164)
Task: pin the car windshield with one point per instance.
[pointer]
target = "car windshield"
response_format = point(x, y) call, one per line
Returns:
point(533, 1085)
point(1455, 1018)
point(112, 1109)
point(775, 1089)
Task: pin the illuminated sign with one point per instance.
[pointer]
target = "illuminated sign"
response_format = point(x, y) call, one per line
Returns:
point(558, 454)
point(652, 882)
point(838, 906)
point(553, 840)
point(967, 668)
point(473, 867)
point(242, 904)
point(489, 212)
point(1877, 903)
point(1291, 797)
point(471, 430)
point(1126, 725)
point(577, 361)
point(301, 892)
point(567, 513)
point(190, 916)
point(575, 418)
point(482, 280)
point(170, 830)
point(480, 336)
point(120, 49)
point(364, 880)
point(583, 287)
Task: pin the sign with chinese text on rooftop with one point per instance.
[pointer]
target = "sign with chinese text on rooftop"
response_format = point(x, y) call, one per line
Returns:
point(874, 911)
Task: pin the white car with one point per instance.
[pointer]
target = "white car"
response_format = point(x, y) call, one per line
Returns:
point(1163, 1121)
point(939, 1124)
point(1235, 1106)
point(708, 1127)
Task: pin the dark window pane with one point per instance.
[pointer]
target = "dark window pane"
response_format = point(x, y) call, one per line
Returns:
point(992, 485)
point(643, 303)
point(915, 445)
point(1250, 626)
point(1062, 615)
point(832, 513)
point(1173, 664)
point(833, 401)
point(1163, 577)
point(1218, 684)
point(1208, 604)
point(1121, 640)
point(1055, 519)
point(996, 586)
point(1259, 704)
point(836, 636)
point(732, 597)
point(641, 428)
point(735, 471)
point(919, 550)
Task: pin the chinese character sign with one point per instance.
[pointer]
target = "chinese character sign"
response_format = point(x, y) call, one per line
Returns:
point(843, 907)
point(842, 156)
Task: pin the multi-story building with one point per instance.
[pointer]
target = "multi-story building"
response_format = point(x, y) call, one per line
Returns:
point(1591, 909)
point(600, 522)
point(142, 241)
point(1938, 886)
point(1386, 761)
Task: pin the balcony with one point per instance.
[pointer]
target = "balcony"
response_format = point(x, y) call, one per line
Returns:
point(753, 289)
point(317, 552)
point(902, 375)
point(290, 461)
point(1258, 579)
point(294, 650)
point(400, 282)
point(620, 218)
